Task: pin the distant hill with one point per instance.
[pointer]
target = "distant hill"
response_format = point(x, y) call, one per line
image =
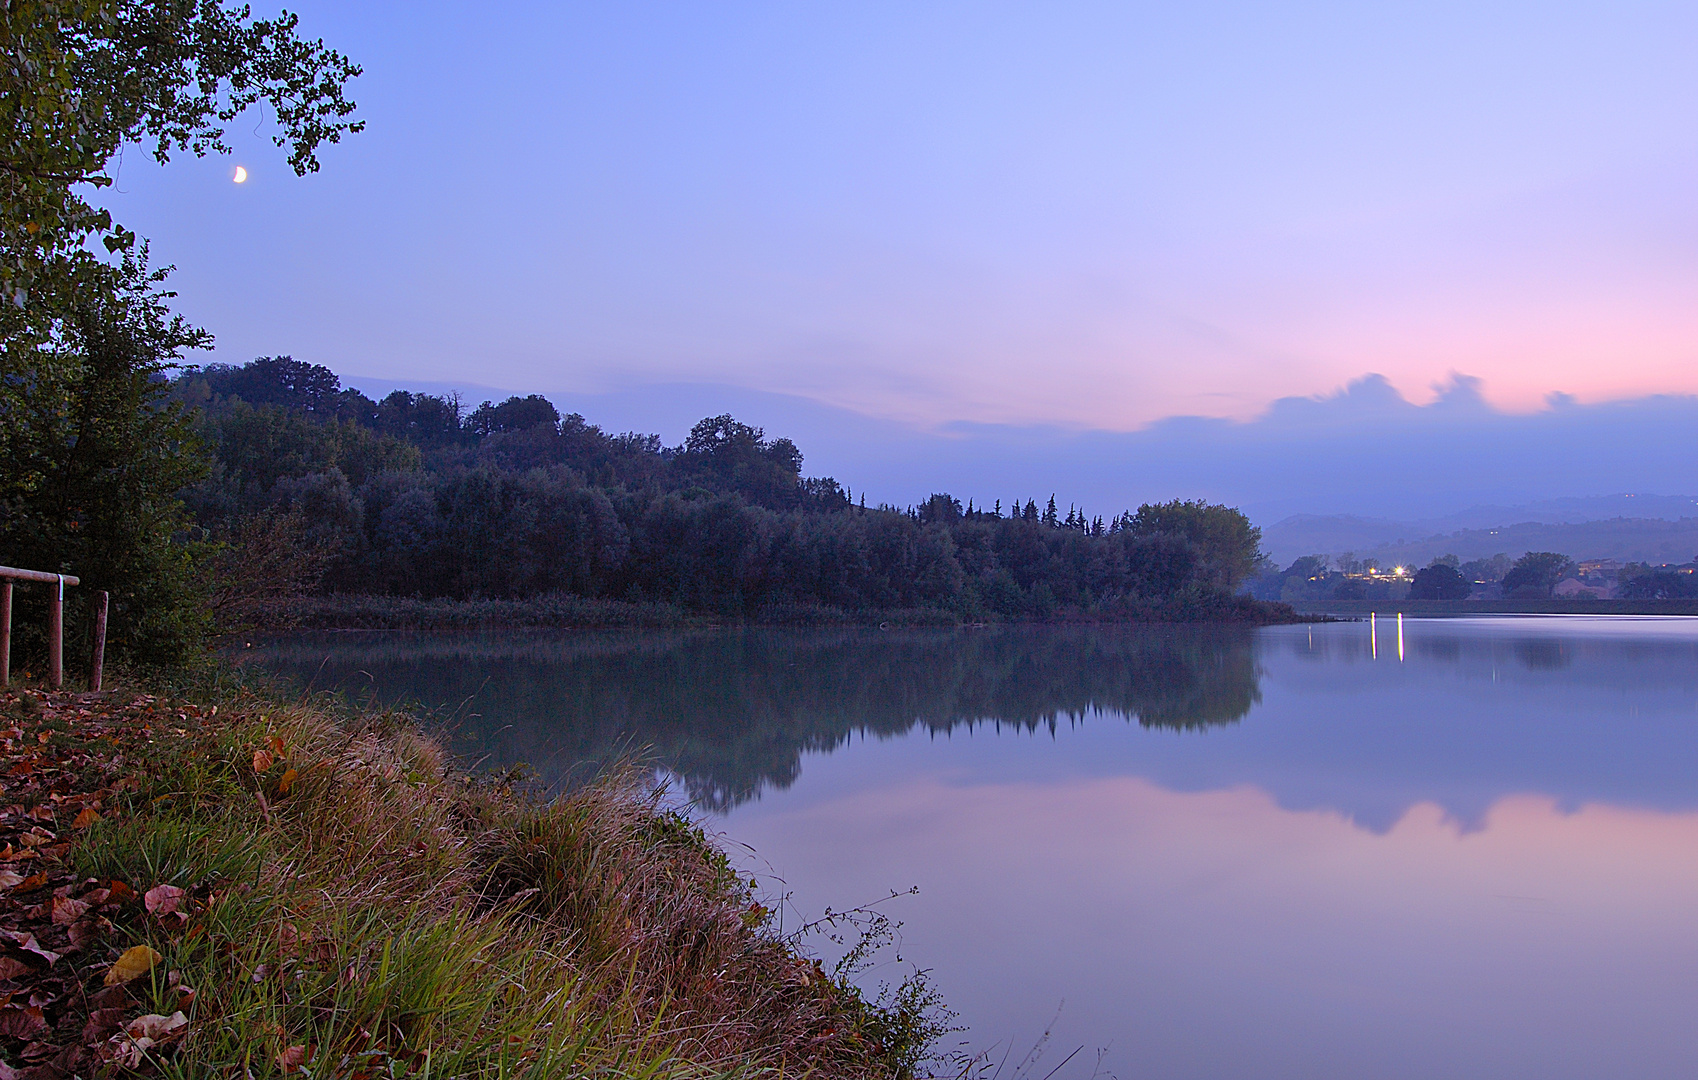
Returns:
point(1637, 539)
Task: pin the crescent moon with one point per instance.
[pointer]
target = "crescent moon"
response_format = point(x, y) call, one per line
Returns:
point(241, 175)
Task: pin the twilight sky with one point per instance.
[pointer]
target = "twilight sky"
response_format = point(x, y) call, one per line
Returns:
point(1080, 214)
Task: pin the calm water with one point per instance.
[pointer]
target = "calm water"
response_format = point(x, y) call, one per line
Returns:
point(1294, 852)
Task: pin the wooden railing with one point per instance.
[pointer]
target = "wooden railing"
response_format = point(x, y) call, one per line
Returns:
point(55, 626)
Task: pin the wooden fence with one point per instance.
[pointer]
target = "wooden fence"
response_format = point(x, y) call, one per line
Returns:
point(55, 626)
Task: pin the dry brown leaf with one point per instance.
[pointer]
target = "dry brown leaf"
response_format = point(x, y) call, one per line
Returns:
point(9, 879)
point(154, 1026)
point(102, 1023)
point(292, 1058)
point(287, 781)
point(11, 969)
point(21, 1023)
point(135, 962)
point(86, 818)
point(162, 900)
point(276, 744)
point(262, 761)
point(67, 911)
point(28, 943)
point(86, 930)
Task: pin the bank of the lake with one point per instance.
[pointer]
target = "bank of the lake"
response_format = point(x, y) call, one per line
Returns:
point(562, 611)
point(1552, 606)
point(204, 879)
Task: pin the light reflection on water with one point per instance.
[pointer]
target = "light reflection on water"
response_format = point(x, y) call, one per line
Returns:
point(1291, 852)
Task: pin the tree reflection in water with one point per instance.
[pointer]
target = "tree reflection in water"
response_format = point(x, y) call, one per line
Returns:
point(732, 712)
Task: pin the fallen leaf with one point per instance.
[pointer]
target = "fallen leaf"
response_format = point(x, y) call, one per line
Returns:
point(276, 744)
point(287, 781)
point(84, 931)
point(35, 1051)
point(102, 1023)
point(9, 879)
point(34, 881)
point(27, 943)
point(120, 893)
point(154, 1026)
point(11, 969)
point(67, 911)
point(262, 761)
point(135, 962)
point(86, 818)
point(162, 900)
point(21, 1023)
point(292, 1058)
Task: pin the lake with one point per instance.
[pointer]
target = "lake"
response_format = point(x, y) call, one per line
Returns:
point(1461, 847)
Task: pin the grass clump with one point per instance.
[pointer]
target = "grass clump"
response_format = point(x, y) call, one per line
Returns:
point(325, 895)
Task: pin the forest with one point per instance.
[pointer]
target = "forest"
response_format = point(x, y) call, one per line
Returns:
point(316, 489)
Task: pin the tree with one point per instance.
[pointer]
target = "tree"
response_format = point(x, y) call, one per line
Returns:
point(107, 460)
point(79, 79)
point(1535, 574)
point(1659, 585)
point(277, 380)
point(728, 456)
point(80, 334)
point(1486, 570)
point(1228, 546)
point(1440, 581)
point(514, 414)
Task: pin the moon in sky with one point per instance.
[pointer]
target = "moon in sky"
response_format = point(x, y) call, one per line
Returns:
point(241, 175)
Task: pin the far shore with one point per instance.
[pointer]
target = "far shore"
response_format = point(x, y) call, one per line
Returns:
point(567, 612)
point(1553, 606)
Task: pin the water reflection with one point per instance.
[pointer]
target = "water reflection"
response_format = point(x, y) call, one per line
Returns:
point(1315, 854)
point(733, 713)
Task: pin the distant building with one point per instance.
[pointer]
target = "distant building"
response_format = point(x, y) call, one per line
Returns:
point(1574, 587)
point(1600, 568)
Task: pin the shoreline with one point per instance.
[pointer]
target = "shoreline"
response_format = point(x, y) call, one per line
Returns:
point(343, 613)
point(1353, 608)
point(204, 878)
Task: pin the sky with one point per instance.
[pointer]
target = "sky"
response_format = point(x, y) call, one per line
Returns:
point(1069, 217)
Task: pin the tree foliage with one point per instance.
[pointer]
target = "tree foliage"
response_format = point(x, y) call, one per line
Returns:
point(511, 502)
point(82, 333)
point(99, 465)
point(1536, 573)
point(1440, 581)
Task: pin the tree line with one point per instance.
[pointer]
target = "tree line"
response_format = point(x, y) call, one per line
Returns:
point(417, 495)
point(1533, 576)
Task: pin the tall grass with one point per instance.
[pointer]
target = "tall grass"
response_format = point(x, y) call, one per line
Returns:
point(359, 909)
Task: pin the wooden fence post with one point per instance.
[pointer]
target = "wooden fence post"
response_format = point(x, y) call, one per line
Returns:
point(56, 635)
point(55, 621)
point(6, 633)
point(98, 661)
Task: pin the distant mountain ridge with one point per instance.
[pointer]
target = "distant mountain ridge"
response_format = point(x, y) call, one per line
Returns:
point(1661, 529)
